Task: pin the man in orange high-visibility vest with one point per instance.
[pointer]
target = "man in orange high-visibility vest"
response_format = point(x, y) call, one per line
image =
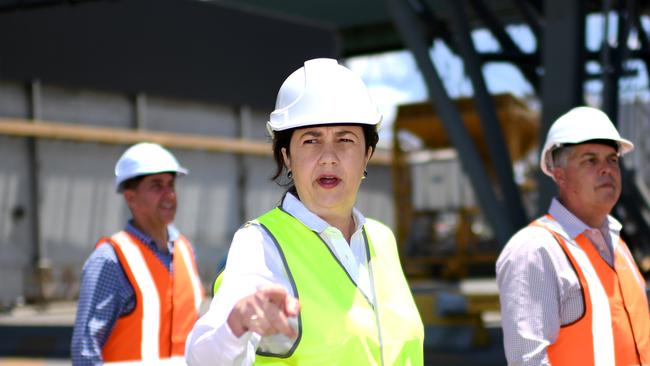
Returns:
point(140, 290)
point(570, 291)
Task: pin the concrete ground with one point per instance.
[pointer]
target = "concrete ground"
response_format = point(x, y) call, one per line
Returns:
point(40, 336)
point(32, 362)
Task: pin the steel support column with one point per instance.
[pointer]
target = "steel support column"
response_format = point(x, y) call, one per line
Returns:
point(413, 33)
point(563, 48)
point(484, 104)
point(612, 59)
point(40, 265)
point(633, 203)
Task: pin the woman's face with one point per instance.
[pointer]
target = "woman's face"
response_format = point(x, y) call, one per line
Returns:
point(327, 163)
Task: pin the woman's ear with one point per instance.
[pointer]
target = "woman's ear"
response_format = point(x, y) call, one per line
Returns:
point(369, 154)
point(285, 157)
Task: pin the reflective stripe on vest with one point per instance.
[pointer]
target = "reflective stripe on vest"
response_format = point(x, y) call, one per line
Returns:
point(194, 278)
point(166, 304)
point(337, 323)
point(614, 329)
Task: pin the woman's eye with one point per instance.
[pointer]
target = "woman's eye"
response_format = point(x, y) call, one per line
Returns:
point(310, 141)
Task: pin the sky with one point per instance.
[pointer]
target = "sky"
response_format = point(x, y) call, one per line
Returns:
point(393, 78)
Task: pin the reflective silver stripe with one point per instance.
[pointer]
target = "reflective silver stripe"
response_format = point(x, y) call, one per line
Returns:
point(601, 324)
point(174, 361)
point(601, 321)
point(189, 264)
point(149, 347)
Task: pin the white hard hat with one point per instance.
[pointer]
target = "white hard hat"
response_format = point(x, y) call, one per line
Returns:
point(144, 159)
point(322, 92)
point(579, 125)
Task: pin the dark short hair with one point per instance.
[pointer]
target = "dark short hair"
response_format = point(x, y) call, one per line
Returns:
point(131, 183)
point(282, 139)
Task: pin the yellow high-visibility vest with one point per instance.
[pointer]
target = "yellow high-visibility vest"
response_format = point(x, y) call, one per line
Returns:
point(337, 323)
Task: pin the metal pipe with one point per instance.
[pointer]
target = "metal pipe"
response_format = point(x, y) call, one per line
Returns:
point(122, 136)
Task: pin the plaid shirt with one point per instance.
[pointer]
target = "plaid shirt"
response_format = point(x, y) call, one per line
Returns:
point(106, 294)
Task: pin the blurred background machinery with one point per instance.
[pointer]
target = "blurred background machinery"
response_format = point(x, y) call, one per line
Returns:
point(440, 227)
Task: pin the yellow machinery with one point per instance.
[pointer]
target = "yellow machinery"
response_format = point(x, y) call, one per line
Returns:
point(519, 125)
point(439, 228)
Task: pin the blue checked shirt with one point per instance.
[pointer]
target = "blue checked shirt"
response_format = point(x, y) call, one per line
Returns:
point(105, 295)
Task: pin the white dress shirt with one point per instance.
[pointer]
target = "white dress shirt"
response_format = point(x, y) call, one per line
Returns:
point(538, 288)
point(254, 261)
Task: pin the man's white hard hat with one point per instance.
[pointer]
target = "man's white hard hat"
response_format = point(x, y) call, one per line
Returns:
point(579, 125)
point(144, 159)
point(322, 92)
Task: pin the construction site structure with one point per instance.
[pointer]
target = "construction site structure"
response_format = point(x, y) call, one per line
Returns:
point(439, 225)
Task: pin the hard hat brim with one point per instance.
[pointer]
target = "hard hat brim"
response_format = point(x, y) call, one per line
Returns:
point(624, 146)
point(272, 129)
point(179, 172)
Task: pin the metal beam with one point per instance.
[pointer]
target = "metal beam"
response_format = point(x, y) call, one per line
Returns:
point(412, 32)
point(562, 84)
point(498, 30)
point(632, 200)
point(611, 60)
point(643, 38)
point(123, 136)
point(532, 16)
point(490, 126)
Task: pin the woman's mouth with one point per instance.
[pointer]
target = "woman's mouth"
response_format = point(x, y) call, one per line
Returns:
point(328, 181)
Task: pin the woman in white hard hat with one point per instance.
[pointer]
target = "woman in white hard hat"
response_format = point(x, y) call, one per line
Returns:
point(313, 281)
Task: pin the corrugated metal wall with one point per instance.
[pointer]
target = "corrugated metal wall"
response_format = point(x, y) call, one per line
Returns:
point(76, 200)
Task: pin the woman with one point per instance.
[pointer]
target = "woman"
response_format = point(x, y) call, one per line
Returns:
point(313, 282)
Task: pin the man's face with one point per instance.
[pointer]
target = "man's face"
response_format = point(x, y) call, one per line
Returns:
point(591, 178)
point(153, 201)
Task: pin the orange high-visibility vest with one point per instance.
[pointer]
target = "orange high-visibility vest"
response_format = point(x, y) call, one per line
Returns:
point(166, 303)
point(615, 326)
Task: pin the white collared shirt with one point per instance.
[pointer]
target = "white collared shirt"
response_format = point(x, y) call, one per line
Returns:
point(539, 290)
point(254, 261)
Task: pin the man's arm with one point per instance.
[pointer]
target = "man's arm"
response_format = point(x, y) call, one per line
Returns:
point(529, 296)
point(105, 294)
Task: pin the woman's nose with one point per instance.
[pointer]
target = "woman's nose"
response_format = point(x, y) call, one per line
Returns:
point(328, 155)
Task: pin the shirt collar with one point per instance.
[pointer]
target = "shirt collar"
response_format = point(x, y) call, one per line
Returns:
point(294, 207)
point(573, 226)
point(172, 234)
